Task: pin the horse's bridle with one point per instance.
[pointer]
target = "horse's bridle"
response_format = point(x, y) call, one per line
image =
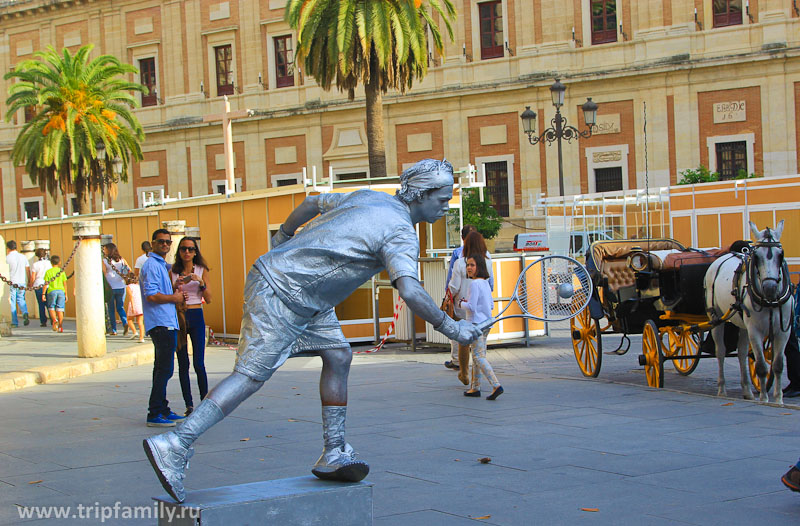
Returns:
point(754, 283)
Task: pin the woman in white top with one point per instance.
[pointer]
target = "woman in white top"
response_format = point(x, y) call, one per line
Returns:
point(474, 244)
point(115, 269)
point(38, 269)
point(479, 308)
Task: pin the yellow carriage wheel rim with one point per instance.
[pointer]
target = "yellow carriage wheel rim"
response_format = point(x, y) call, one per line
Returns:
point(652, 368)
point(585, 346)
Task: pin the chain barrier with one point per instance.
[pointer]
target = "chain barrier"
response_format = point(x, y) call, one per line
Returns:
point(48, 281)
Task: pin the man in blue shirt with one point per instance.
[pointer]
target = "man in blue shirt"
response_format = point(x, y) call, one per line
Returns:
point(161, 324)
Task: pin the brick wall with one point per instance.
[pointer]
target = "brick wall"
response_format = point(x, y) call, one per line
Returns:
point(157, 156)
point(212, 150)
point(511, 147)
point(705, 110)
point(402, 131)
point(626, 135)
point(273, 168)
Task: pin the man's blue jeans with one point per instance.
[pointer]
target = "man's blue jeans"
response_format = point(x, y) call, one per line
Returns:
point(164, 340)
point(17, 298)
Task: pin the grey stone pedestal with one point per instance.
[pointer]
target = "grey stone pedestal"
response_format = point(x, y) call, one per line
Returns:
point(284, 502)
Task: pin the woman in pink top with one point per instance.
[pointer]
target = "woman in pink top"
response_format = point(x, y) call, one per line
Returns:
point(189, 275)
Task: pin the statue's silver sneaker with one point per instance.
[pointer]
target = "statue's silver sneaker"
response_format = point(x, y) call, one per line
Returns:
point(170, 460)
point(340, 464)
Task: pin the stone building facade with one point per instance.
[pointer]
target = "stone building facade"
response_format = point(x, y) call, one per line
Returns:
point(720, 81)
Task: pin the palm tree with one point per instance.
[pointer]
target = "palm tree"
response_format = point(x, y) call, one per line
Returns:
point(380, 43)
point(81, 105)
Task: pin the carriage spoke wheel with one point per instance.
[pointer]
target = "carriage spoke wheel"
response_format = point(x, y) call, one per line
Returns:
point(653, 354)
point(683, 343)
point(586, 343)
point(751, 361)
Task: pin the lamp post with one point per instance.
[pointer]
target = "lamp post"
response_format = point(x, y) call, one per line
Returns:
point(559, 128)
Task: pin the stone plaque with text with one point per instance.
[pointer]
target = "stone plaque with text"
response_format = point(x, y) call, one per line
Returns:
point(732, 111)
point(606, 124)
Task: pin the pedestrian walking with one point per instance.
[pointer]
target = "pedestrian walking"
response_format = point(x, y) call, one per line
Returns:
point(453, 362)
point(38, 269)
point(161, 324)
point(133, 299)
point(189, 275)
point(19, 273)
point(474, 245)
point(55, 292)
point(289, 300)
point(115, 268)
point(137, 265)
point(479, 309)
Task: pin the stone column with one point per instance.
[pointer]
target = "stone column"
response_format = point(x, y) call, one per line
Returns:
point(89, 305)
point(193, 231)
point(177, 230)
point(5, 299)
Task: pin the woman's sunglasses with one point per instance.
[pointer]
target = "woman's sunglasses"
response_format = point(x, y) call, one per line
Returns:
point(187, 249)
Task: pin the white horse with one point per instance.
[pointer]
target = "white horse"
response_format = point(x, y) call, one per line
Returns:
point(756, 286)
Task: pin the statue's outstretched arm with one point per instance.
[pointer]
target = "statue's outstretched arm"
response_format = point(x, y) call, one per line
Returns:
point(423, 306)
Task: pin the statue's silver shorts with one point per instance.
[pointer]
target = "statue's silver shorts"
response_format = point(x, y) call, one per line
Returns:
point(271, 332)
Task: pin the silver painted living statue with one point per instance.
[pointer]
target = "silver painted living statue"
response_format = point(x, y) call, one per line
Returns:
point(289, 300)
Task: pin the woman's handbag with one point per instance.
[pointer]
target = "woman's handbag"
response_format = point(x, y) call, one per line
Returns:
point(447, 303)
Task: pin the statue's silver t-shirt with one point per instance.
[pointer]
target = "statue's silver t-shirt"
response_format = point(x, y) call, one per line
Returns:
point(356, 236)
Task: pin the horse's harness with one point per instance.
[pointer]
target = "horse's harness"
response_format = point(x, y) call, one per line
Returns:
point(748, 268)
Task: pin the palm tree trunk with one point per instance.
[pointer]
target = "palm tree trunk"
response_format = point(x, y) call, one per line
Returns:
point(375, 143)
point(81, 195)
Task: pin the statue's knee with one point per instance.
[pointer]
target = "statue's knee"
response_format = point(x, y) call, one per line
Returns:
point(339, 358)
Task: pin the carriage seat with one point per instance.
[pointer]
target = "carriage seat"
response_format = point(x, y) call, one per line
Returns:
point(694, 257)
point(611, 259)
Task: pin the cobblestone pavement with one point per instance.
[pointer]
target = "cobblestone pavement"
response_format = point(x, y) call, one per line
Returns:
point(563, 449)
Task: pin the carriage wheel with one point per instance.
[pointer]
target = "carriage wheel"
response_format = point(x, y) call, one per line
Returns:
point(751, 361)
point(682, 342)
point(653, 355)
point(586, 343)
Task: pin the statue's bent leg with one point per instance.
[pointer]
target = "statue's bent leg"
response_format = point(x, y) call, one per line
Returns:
point(267, 337)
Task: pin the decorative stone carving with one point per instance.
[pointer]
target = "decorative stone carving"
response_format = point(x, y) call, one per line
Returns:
point(607, 157)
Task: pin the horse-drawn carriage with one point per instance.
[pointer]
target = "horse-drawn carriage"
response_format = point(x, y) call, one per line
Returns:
point(653, 287)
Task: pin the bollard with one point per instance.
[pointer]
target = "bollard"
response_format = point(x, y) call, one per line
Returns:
point(5, 295)
point(193, 231)
point(177, 230)
point(89, 306)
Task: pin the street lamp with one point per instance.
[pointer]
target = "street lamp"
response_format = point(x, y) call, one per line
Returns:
point(559, 129)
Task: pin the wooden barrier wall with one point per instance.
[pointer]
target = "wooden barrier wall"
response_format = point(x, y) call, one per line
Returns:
point(234, 232)
point(717, 214)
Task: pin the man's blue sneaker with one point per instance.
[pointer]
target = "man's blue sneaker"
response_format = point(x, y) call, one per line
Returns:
point(172, 417)
point(160, 421)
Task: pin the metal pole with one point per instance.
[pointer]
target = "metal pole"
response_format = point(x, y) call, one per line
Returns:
point(559, 133)
point(376, 314)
